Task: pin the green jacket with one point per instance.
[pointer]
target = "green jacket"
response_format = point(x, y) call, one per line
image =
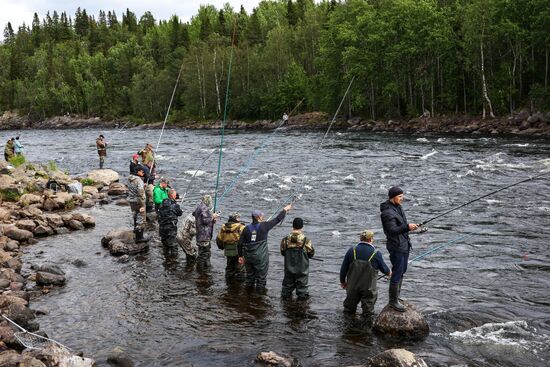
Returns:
point(159, 194)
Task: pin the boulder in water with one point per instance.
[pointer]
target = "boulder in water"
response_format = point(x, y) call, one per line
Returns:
point(123, 234)
point(273, 359)
point(118, 247)
point(118, 358)
point(55, 355)
point(409, 324)
point(43, 278)
point(105, 177)
point(395, 358)
point(117, 188)
point(48, 268)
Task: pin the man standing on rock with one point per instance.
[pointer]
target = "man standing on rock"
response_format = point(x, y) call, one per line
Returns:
point(297, 250)
point(136, 198)
point(253, 251)
point(204, 223)
point(358, 275)
point(227, 240)
point(101, 146)
point(169, 212)
point(185, 238)
point(396, 229)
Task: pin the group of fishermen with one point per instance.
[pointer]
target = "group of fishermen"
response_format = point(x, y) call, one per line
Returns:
point(13, 148)
point(246, 245)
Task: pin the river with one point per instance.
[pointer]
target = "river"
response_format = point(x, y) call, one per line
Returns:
point(486, 298)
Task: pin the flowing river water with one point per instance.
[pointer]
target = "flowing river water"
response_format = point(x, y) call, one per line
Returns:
point(486, 299)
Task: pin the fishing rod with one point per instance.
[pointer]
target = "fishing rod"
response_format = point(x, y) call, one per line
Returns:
point(225, 114)
point(195, 174)
point(435, 249)
point(256, 152)
point(482, 197)
point(296, 195)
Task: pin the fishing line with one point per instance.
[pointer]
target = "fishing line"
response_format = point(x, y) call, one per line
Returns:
point(256, 152)
point(481, 197)
point(435, 249)
point(295, 195)
point(195, 174)
point(225, 114)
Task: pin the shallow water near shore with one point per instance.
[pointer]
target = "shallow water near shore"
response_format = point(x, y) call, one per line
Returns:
point(486, 299)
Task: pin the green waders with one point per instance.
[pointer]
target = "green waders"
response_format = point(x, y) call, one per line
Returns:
point(296, 273)
point(361, 279)
point(256, 258)
point(233, 269)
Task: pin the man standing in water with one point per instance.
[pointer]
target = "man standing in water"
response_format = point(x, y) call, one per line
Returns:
point(136, 198)
point(185, 238)
point(101, 146)
point(227, 240)
point(297, 250)
point(253, 251)
point(205, 220)
point(358, 275)
point(396, 229)
point(169, 212)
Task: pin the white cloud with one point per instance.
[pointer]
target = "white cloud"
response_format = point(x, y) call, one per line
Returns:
point(19, 11)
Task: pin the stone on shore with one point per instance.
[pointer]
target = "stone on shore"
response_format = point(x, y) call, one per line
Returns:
point(409, 324)
point(60, 200)
point(85, 219)
point(26, 224)
point(273, 359)
point(43, 278)
point(56, 356)
point(105, 177)
point(29, 199)
point(117, 188)
point(12, 358)
point(17, 234)
point(395, 358)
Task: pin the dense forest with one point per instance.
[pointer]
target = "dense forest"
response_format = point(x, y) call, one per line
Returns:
point(475, 57)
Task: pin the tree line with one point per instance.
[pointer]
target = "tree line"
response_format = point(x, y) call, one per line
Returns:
point(407, 56)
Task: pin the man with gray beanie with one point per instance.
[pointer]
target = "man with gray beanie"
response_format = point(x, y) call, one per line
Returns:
point(253, 251)
point(396, 229)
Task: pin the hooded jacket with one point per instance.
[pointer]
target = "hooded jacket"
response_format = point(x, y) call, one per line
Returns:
point(396, 227)
point(136, 192)
point(204, 223)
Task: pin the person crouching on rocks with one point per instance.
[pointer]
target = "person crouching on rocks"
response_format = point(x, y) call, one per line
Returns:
point(169, 212)
point(136, 198)
point(358, 275)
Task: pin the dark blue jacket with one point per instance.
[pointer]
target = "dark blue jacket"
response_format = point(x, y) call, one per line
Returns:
point(363, 251)
point(396, 227)
point(261, 232)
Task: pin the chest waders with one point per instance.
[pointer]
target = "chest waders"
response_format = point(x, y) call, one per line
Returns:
point(361, 279)
point(256, 257)
point(296, 272)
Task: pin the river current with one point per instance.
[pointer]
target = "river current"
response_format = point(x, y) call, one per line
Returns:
point(486, 298)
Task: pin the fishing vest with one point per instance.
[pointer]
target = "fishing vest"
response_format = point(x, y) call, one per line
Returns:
point(295, 240)
point(230, 233)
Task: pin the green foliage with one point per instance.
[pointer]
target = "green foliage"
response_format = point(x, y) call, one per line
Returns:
point(69, 204)
point(17, 160)
point(9, 195)
point(51, 166)
point(407, 56)
point(87, 182)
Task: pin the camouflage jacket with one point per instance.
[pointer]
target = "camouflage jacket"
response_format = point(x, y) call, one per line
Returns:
point(101, 147)
point(136, 192)
point(188, 230)
point(297, 240)
point(228, 237)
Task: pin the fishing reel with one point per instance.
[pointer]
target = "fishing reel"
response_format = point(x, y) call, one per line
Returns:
point(423, 229)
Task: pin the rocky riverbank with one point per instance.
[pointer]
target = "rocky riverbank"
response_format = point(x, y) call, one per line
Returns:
point(37, 201)
point(523, 122)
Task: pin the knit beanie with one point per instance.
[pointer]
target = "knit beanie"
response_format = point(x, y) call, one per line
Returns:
point(394, 191)
point(298, 223)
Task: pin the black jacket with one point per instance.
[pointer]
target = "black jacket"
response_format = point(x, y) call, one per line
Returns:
point(169, 212)
point(396, 227)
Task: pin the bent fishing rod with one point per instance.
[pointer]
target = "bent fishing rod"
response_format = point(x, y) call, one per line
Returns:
point(195, 174)
point(435, 249)
point(482, 197)
point(260, 148)
point(296, 195)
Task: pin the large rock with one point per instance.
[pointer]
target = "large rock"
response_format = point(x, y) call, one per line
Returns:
point(75, 225)
point(29, 199)
point(43, 278)
point(53, 220)
point(409, 324)
point(12, 358)
point(30, 212)
point(18, 234)
point(54, 355)
point(395, 358)
point(5, 214)
point(273, 359)
point(85, 219)
point(118, 358)
point(6, 181)
point(117, 188)
point(16, 309)
point(90, 190)
point(118, 248)
point(59, 200)
point(26, 224)
point(103, 176)
point(48, 268)
point(122, 234)
point(43, 230)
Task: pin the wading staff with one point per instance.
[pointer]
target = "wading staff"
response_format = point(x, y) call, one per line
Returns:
point(225, 114)
point(246, 166)
point(295, 196)
point(435, 249)
point(481, 197)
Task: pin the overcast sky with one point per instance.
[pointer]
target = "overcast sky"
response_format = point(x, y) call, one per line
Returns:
point(19, 11)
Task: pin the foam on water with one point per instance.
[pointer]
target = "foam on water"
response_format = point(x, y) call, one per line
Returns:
point(349, 178)
point(192, 172)
point(283, 186)
point(336, 233)
point(422, 140)
point(426, 156)
point(252, 181)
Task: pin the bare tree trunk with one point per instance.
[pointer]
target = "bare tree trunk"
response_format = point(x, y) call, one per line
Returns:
point(546, 68)
point(465, 96)
point(216, 81)
point(372, 100)
point(422, 97)
point(201, 89)
point(484, 84)
point(433, 103)
point(203, 86)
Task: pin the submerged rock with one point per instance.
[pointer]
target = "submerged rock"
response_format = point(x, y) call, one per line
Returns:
point(48, 268)
point(273, 359)
point(409, 324)
point(118, 247)
point(118, 358)
point(123, 234)
point(395, 358)
point(43, 278)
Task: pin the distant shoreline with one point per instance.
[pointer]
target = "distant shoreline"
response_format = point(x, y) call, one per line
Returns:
point(521, 123)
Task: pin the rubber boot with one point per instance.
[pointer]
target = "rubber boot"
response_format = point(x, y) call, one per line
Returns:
point(139, 236)
point(394, 294)
point(399, 291)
